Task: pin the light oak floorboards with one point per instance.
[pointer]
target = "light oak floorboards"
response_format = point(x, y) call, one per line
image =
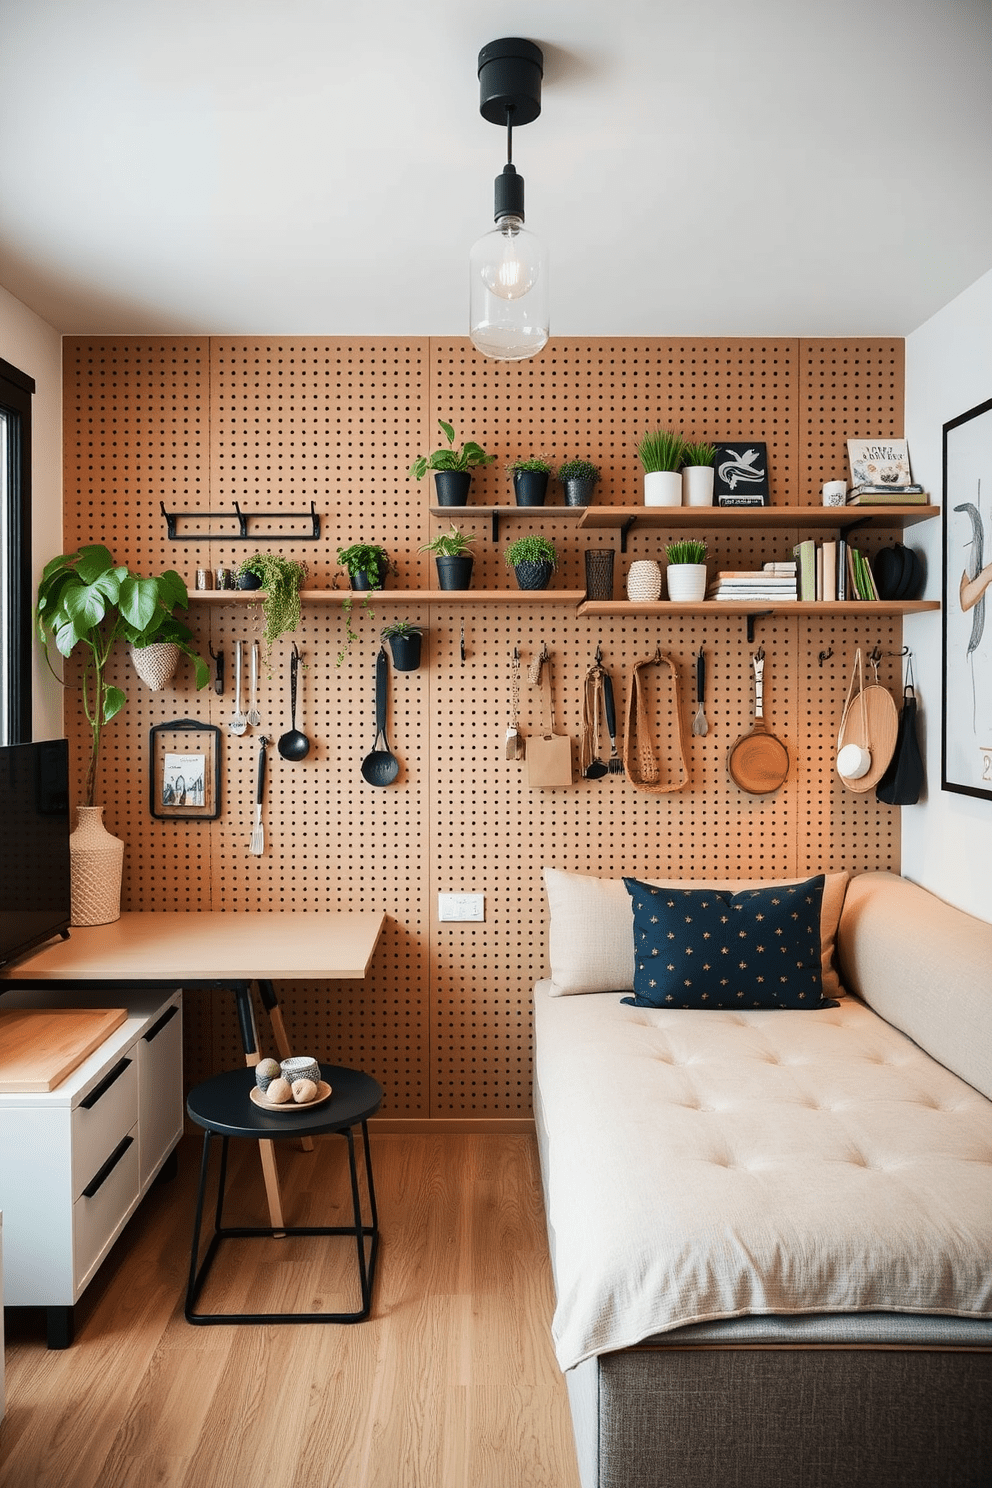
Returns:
point(452, 1383)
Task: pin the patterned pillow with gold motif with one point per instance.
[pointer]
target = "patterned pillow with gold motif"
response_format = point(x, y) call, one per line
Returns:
point(706, 948)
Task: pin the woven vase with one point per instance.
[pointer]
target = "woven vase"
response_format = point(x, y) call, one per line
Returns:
point(644, 581)
point(96, 859)
point(155, 664)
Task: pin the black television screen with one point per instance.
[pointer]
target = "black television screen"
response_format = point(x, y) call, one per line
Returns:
point(34, 845)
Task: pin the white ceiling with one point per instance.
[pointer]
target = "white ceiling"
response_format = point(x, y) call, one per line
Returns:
point(292, 167)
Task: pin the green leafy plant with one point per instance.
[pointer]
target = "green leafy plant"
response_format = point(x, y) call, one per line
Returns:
point(536, 462)
point(578, 470)
point(451, 544)
point(281, 579)
point(662, 449)
point(466, 457)
point(687, 550)
point(531, 550)
point(699, 454)
point(401, 628)
point(86, 600)
point(371, 562)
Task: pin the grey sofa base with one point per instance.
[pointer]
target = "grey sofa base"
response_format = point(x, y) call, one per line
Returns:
point(758, 1417)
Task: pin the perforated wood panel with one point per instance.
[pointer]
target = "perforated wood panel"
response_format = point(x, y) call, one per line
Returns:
point(444, 1017)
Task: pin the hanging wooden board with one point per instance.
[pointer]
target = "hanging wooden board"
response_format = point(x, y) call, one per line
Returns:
point(38, 1048)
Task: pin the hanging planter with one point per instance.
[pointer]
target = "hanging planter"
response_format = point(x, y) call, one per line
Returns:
point(282, 579)
point(155, 664)
point(405, 642)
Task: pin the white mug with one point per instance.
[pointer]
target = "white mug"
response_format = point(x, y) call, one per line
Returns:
point(853, 762)
point(835, 493)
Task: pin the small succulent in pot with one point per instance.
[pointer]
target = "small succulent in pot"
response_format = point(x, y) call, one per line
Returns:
point(533, 559)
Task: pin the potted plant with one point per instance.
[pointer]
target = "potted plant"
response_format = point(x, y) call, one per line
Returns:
point(452, 467)
point(87, 602)
point(662, 454)
point(367, 565)
point(697, 474)
point(405, 640)
point(686, 571)
point(453, 560)
point(281, 579)
point(579, 478)
point(530, 480)
point(533, 560)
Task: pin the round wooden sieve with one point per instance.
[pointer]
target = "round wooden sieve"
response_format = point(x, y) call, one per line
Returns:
point(873, 722)
point(759, 762)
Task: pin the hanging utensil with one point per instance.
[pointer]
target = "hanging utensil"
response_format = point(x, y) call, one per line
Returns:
point(294, 744)
point(759, 762)
point(257, 844)
point(254, 717)
point(699, 724)
point(593, 768)
point(238, 722)
point(615, 763)
point(380, 766)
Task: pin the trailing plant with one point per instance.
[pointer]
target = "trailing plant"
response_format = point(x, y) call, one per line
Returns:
point(686, 550)
point(466, 457)
point(374, 564)
point(699, 454)
point(578, 470)
point(401, 628)
point(86, 600)
point(532, 549)
point(536, 463)
point(451, 544)
point(662, 449)
point(282, 579)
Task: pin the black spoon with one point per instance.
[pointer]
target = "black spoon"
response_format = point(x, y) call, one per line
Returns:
point(380, 767)
point(294, 744)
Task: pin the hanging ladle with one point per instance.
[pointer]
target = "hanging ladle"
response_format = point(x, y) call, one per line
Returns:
point(294, 744)
point(381, 766)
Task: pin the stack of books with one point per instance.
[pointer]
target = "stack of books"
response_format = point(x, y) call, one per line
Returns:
point(833, 570)
point(881, 474)
point(773, 583)
point(869, 495)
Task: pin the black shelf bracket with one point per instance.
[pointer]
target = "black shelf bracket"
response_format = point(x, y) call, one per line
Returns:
point(752, 617)
point(243, 519)
point(624, 529)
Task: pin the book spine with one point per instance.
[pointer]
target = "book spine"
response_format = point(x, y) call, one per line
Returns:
point(829, 571)
point(842, 568)
point(806, 557)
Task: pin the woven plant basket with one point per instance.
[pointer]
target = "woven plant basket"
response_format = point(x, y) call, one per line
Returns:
point(155, 664)
point(96, 865)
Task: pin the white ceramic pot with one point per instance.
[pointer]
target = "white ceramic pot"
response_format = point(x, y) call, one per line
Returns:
point(662, 488)
point(644, 581)
point(697, 485)
point(686, 582)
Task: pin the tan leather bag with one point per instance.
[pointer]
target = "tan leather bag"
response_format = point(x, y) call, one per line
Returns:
point(549, 755)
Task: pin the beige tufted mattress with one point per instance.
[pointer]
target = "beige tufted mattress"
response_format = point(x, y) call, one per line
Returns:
point(706, 1165)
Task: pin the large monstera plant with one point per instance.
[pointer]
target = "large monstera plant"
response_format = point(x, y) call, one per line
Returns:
point(87, 601)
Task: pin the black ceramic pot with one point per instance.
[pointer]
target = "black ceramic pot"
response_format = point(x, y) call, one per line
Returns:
point(364, 580)
point(249, 581)
point(578, 491)
point(533, 573)
point(530, 487)
point(406, 651)
point(452, 487)
point(454, 573)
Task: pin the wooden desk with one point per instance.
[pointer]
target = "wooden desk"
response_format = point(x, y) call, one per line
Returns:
point(213, 949)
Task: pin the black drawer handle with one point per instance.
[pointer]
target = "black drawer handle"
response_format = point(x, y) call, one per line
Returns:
point(100, 1178)
point(100, 1090)
point(156, 1028)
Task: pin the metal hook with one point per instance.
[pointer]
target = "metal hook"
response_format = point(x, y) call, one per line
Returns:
point(875, 656)
point(825, 655)
point(462, 644)
point(218, 657)
point(599, 654)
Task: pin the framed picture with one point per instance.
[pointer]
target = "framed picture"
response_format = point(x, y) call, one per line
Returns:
point(740, 473)
point(185, 770)
point(966, 735)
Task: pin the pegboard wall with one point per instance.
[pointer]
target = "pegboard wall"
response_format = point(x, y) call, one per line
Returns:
point(443, 1020)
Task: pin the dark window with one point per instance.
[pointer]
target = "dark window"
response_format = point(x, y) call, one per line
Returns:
point(16, 596)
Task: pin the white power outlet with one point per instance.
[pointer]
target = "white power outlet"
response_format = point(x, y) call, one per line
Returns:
point(461, 906)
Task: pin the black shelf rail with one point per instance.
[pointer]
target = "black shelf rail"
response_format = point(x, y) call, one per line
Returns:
point(242, 518)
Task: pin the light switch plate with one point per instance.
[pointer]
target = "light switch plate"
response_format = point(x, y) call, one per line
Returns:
point(461, 906)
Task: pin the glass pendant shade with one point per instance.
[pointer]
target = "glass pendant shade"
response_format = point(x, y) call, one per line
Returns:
point(508, 296)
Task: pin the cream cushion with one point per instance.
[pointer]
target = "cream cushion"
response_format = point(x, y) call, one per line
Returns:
point(591, 934)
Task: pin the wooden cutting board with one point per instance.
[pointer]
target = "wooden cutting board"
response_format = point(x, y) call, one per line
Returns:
point(38, 1048)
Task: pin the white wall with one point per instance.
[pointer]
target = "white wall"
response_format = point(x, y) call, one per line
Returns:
point(34, 347)
point(946, 842)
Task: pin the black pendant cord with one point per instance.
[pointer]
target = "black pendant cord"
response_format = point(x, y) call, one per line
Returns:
point(509, 134)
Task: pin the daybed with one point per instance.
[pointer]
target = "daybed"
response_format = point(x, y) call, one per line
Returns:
point(771, 1228)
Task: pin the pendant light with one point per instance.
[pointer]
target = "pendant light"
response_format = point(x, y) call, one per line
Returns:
point(508, 267)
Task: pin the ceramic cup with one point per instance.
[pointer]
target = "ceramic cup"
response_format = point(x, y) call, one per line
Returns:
point(853, 762)
point(301, 1067)
point(834, 493)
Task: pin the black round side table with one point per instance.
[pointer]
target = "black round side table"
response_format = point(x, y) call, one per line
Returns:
point(224, 1108)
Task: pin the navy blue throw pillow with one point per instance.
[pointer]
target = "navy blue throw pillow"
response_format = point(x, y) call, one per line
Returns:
point(709, 948)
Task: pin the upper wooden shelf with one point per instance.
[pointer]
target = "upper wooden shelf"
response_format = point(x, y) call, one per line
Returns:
point(400, 596)
point(734, 518)
point(497, 513)
point(761, 607)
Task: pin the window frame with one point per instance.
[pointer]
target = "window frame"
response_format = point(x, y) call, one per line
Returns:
point(16, 391)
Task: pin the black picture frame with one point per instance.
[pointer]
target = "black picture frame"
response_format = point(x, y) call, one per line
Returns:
point(184, 770)
point(740, 473)
point(966, 714)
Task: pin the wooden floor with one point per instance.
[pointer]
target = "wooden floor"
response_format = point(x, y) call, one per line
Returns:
point(451, 1384)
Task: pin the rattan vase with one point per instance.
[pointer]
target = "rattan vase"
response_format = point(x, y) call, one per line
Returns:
point(644, 581)
point(96, 866)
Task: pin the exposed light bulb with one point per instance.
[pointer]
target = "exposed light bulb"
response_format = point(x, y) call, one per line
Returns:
point(510, 264)
point(508, 295)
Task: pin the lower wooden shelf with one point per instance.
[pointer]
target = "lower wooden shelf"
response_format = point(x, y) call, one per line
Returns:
point(761, 607)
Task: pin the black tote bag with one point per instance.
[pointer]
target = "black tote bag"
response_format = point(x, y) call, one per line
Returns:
point(903, 780)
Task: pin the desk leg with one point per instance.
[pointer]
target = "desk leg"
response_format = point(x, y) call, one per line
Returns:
point(271, 1004)
point(266, 1150)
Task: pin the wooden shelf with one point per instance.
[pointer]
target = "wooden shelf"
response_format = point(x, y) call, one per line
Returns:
point(496, 514)
point(743, 518)
point(761, 607)
point(400, 596)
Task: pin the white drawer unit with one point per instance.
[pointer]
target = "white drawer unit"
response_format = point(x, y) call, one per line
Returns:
point(76, 1161)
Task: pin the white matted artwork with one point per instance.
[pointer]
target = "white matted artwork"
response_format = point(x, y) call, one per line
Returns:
point(967, 516)
point(185, 770)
